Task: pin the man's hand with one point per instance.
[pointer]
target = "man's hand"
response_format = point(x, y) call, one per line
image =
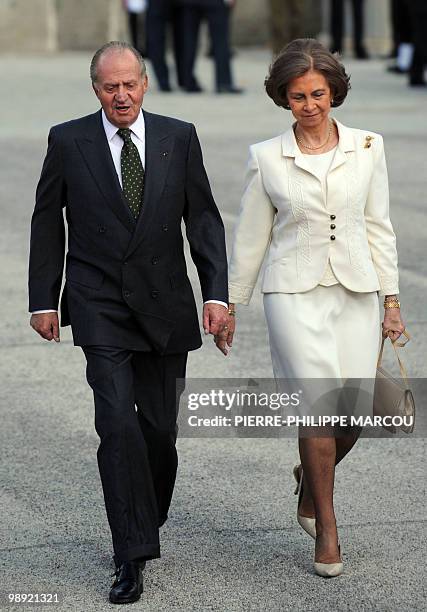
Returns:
point(226, 338)
point(215, 321)
point(46, 324)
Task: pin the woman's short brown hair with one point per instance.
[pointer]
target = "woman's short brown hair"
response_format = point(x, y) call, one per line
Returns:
point(297, 58)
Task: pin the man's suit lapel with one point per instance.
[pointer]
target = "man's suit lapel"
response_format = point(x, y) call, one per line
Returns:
point(96, 152)
point(158, 152)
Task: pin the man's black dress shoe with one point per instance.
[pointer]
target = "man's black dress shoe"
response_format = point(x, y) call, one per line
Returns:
point(395, 69)
point(128, 584)
point(361, 53)
point(194, 88)
point(228, 89)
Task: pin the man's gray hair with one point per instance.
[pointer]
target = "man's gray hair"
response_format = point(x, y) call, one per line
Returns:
point(114, 45)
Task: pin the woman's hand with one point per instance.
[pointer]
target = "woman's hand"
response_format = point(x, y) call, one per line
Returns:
point(393, 325)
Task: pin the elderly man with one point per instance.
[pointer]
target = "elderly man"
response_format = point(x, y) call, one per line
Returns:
point(127, 178)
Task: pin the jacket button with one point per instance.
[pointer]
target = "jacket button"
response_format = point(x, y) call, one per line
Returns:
point(333, 217)
point(155, 260)
point(102, 229)
point(333, 226)
point(125, 263)
point(332, 237)
point(154, 294)
point(127, 293)
point(165, 227)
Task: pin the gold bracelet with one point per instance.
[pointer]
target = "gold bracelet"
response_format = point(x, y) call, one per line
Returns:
point(232, 313)
point(391, 304)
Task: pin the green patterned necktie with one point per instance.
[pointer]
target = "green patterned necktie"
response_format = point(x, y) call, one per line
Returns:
point(132, 172)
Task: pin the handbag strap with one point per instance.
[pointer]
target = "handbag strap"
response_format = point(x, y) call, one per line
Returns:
point(395, 344)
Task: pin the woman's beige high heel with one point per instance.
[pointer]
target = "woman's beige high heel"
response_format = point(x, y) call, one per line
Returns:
point(307, 523)
point(329, 570)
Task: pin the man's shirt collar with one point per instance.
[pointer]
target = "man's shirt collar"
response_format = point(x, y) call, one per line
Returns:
point(138, 127)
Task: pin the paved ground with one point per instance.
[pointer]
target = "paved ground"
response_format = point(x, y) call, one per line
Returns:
point(232, 542)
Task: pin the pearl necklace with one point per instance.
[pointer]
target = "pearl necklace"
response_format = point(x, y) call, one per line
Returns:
point(306, 146)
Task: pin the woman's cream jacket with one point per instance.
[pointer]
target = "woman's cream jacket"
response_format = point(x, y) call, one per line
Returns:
point(284, 215)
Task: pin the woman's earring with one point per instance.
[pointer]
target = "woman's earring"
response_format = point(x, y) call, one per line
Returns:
point(332, 102)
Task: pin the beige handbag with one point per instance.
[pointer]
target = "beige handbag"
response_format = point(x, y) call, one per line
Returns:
point(392, 397)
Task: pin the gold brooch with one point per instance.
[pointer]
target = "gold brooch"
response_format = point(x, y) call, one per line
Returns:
point(368, 143)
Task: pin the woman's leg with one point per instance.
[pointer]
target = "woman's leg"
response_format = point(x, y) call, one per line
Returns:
point(318, 456)
point(345, 443)
point(343, 446)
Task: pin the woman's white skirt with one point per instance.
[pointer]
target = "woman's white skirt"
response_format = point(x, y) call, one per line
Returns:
point(329, 332)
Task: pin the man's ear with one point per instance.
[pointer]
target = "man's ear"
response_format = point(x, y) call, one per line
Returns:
point(95, 89)
point(145, 83)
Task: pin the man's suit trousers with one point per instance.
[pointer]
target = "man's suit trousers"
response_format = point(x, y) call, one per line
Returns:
point(418, 13)
point(286, 22)
point(136, 405)
point(337, 24)
point(160, 14)
point(217, 18)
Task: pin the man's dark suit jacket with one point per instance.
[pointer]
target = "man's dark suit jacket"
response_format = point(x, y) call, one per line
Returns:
point(126, 281)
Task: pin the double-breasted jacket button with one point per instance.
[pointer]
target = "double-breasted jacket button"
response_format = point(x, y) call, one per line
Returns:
point(165, 227)
point(333, 217)
point(154, 294)
point(127, 293)
point(332, 237)
point(102, 229)
point(333, 226)
point(154, 260)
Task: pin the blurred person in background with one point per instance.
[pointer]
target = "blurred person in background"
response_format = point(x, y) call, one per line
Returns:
point(402, 37)
point(337, 27)
point(418, 12)
point(209, 51)
point(395, 26)
point(286, 22)
point(160, 15)
point(136, 13)
point(217, 14)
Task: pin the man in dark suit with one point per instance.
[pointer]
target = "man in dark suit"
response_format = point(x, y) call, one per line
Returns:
point(418, 14)
point(127, 179)
point(161, 13)
point(216, 13)
point(286, 22)
point(337, 27)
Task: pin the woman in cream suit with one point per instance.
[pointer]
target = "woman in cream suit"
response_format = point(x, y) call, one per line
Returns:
point(316, 207)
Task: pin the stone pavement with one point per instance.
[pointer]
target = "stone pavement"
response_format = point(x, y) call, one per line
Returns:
point(232, 542)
